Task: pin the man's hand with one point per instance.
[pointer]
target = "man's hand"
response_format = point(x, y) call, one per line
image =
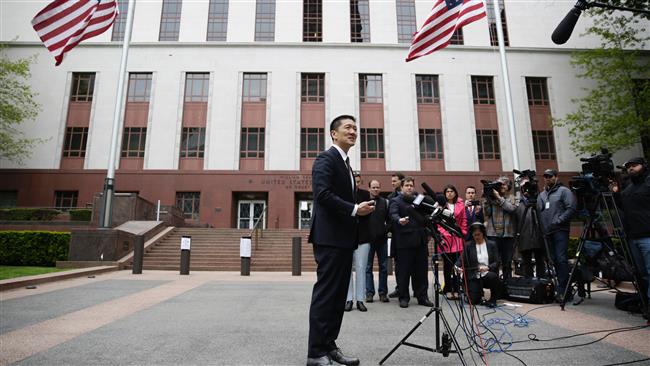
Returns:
point(496, 194)
point(404, 220)
point(366, 208)
point(468, 203)
point(483, 269)
point(613, 186)
point(478, 208)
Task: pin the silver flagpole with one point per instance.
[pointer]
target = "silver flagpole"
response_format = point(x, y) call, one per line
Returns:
point(109, 182)
point(506, 86)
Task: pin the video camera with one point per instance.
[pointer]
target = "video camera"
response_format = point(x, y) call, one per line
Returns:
point(489, 187)
point(597, 171)
point(431, 212)
point(527, 182)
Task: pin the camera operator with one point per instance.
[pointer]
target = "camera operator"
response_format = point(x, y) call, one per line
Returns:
point(635, 201)
point(473, 209)
point(411, 241)
point(499, 209)
point(556, 205)
point(531, 242)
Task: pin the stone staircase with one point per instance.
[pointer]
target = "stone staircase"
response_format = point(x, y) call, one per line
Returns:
point(218, 250)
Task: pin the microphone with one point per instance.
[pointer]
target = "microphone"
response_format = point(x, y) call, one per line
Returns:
point(440, 198)
point(563, 31)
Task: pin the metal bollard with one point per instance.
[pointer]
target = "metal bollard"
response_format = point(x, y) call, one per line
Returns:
point(138, 254)
point(245, 254)
point(186, 243)
point(296, 256)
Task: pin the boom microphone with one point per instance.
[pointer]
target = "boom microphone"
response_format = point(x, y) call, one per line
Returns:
point(563, 31)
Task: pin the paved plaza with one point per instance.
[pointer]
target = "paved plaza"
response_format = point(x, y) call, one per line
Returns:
point(222, 318)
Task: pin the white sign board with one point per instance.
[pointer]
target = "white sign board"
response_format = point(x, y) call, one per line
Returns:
point(186, 242)
point(388, 247)
point(245, 247)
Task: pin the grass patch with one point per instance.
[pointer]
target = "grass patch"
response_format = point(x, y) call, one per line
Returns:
point(7, 272)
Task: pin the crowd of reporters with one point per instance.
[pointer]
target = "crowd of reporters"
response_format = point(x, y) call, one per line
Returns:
point(494, 227)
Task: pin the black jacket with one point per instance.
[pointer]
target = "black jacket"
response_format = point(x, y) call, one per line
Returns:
point(470, 260)
point(530, 235)
point(332, 223)
point(635, 200)
point(362, 195)
point(411, 235)
point(378, 223)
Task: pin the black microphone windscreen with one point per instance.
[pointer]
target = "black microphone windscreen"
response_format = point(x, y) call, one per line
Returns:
point(428, 189)
point(563, 30)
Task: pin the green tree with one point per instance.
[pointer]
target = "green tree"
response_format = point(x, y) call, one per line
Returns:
point(17, 105)
point(615, 112)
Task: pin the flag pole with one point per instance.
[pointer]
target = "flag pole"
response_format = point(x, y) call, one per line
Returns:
point(506, 86)
point(109, 182)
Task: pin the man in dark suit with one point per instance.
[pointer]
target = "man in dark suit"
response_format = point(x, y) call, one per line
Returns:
point(411, 241)
point(334, 234)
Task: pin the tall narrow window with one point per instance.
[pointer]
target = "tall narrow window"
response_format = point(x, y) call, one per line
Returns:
point(254, 87)
point(430, 143)
point(133, 142)
point(313, 88)
point(252, 142)
point(75, 142)
point(65, 200)
point(265, 20)
point(193, 142)
point(170, 20)
point(189, 203)
point(119, 26)
point(543, 145)
point(488, 144)
point(457, 38)
point(537, 91)
point(372, 143)
point(406, 22)
point(427, 89)
point(540, 119)
point(196, 86)
point(217, 20)
point(492, 20)
point(483, 89)
point(312, 21)
point(139, 87)
point(370, 88)
point(312, 142)
point(359, 21)
point(83, 87)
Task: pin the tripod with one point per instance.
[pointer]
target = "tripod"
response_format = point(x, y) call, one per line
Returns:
point(604, 203)
point(444, 341)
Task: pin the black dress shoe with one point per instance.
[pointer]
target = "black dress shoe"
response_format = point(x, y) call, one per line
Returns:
point(348, 306)
point(319, 361)
point(339, 357)
point(425, 302)
point(361, 306)
point(369, 297)
point(403, 303)
point(383, 298)
point(393, 294)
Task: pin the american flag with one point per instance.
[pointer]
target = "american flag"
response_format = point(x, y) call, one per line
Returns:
point(64, 23)
point(445, 17)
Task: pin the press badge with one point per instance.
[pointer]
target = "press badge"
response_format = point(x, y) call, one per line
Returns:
point(548, 205)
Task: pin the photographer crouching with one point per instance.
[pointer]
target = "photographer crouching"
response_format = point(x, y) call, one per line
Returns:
point(635, 201)
point(499, 208)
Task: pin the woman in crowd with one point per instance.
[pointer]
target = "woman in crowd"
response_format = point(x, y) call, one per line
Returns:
point(480, 264)
point(452, 245)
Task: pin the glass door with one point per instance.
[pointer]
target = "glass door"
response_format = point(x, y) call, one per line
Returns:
point(304, 214)
point(248, 214)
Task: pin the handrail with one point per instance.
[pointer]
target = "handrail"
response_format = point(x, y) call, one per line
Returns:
point(256, 228)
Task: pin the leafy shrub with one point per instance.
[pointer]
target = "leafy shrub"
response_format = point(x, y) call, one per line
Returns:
point(80, 215)
point(28, 214)
point(33, 248)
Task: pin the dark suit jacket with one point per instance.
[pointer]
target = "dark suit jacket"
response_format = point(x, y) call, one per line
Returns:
point(332, 223)
point(411, 235)
point(470, 259)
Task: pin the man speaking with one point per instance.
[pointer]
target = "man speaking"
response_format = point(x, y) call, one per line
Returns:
point(334, 236)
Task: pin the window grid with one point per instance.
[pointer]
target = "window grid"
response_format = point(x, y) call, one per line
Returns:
point(83, 87)
point(217, 20)
point(537, 91)
point(488, 144)
point(427, 89)
point(65, 200)
point(133, 142)
point(254, 89)
point(312, 142)
point(119, 26)
point(75, 142)
point(312, 88)
point(359, 21)
point(457, 37)
point(494, 41)
point(189, 203)
point(193, 142)
point(139, 87)
point(372, 143)
point(543, 145)
point(406, 22)
point(483, 89)
point(370, 88)
point(252, 142)
point(431, 144)
point(170, 20)
point(197, 87)
point(265, 20)
point(312, 21)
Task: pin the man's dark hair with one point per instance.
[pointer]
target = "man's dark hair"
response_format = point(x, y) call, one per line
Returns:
point(408, 179)
point(399, 175)
point(336, 122)
point(373, 180)
point(468, 187)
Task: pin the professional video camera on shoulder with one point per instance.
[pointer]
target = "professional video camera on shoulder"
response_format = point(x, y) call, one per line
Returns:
point(527, 182)
point(597, 171)
point(489, 188)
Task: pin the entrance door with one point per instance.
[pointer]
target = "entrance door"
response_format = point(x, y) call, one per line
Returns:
point(304, 214)
point(248, 214)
